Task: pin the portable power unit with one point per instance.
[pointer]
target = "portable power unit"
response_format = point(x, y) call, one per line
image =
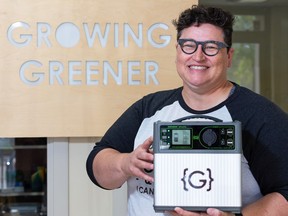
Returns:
point(197, 164)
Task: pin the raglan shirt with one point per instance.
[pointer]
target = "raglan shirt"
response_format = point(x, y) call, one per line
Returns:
point(264, 141)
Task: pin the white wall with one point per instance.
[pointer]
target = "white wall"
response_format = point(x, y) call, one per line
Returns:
point(57, 176)
point(70, 191)
point(85, 198)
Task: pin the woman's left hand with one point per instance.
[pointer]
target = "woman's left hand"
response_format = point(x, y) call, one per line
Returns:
point(210, 212)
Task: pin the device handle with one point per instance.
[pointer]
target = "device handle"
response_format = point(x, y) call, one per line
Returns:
point(198, 116)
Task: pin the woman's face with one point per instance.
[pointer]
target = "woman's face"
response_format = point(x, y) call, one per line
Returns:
point(199, 72)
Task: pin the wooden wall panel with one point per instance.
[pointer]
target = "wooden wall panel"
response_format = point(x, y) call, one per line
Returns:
point(58, 59)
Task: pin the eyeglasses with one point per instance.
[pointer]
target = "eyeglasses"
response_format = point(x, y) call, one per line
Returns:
point(210, 48)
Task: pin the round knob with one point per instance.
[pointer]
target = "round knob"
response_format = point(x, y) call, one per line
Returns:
point(209, 137)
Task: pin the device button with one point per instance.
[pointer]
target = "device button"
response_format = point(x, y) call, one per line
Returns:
point(230, 142)
point(230, 132)
point(209, 137)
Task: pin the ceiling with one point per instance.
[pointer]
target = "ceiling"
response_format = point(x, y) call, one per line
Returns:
point(257, 3)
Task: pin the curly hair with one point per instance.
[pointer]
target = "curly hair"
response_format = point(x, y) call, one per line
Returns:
point(198, 14)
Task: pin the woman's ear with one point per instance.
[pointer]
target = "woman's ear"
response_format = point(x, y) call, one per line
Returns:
point(230, 57)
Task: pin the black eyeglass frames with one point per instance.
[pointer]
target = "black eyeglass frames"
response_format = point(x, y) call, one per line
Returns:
point(210, 48)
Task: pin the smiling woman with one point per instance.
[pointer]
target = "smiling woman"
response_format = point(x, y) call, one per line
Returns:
point(123, 154)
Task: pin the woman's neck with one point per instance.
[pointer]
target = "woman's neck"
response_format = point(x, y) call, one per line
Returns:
point(208, 99)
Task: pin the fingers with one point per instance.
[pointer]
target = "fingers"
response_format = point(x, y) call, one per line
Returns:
point(182, 212)
point(217, 212)
point(144, 160)
point(147, 143)
point(210, 212)
point(143, 154)
point(139, 160)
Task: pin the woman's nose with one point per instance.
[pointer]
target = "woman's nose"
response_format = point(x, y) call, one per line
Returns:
point(199, 55)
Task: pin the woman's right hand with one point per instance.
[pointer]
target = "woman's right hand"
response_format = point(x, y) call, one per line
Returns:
point(136, 162)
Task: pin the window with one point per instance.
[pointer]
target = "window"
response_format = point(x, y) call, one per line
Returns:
point(249, 23)
point(245, 65)
point(23, 185)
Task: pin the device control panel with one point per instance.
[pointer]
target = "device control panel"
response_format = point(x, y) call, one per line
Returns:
point(197, 135)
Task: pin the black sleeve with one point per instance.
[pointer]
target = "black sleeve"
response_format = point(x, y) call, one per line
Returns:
point(264, 139)
point(120, 136)
point(269, 157)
